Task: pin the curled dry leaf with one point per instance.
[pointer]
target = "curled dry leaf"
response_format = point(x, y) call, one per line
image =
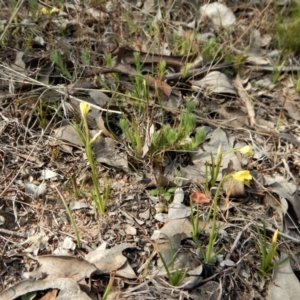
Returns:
point(199, 198)
point(219, 14)
point(215, 82)
point(245, 98)
point(67, 286)
point(235, 115)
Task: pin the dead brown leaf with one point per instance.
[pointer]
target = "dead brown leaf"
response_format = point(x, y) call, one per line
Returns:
point(245, 98)
point(199, 198)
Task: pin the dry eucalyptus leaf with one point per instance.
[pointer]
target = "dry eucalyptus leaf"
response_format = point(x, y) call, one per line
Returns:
point(211, 288)
point(235, 115)
point(177, 226)
point(69, 134)
point(36, 243)
point(48, 174)
point(106, 151)
point(19, 64)
point(65, 267)
point(284, 284)
point(96, 254)
point(233, 188)
point(112, 259)
point(126, 271)
point(67, 286)
point(35, 190)
point(101, 126)
point(100, 98)
point(218, 13)
point(245, 98)
point(168, 248)
point(215, 82)
point(199, 197)
point(257, 60)
point(129, 229)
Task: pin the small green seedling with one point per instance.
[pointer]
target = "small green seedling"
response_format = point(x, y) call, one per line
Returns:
point(175, 275)
point(165, 193)
point(57, 59)
point(267, 253)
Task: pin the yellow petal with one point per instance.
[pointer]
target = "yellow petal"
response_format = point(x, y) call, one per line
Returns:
point(246, 150)
point(219, 150)
point(54, 10)
point(45, 11)
point(84, 108)
point(242, 176)
point(95, 136)
point(275, 236)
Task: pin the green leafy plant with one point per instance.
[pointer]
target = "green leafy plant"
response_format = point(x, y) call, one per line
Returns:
point(33, 6)
point(99, 200)
point(57, 59)
point(285, 29)
point(42, 114)
point(108, 59)
point(267, 253)
point(75, 188)
point(180, 45)
point(165, 193)
point(108, 288)
point(211, 49)
point(132, 26)
point(178, 138)
point(277, 68)
point(131, 131)
point(194, 218)
point(15, 7)
point(167, 138)
point(141, 89)
point(29, 296)
point(162, 69)
point(212, 168)
point(175, 275)
point(85, 56)
point(241, 176)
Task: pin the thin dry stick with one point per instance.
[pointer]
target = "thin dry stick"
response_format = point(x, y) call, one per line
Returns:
point(11, 18)
point(13, 233)
point(237, 239)
point(61, 90)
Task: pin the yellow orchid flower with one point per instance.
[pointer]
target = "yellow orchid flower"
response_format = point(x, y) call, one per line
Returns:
point(84, 108)
point(246, 150)
point(48, 12)
point(242, 176)
point(45, 11)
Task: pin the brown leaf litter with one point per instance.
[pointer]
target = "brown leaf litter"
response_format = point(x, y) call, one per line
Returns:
point(217, 56)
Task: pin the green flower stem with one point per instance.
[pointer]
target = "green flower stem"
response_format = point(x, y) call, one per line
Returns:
point(86, 128)
point(89, 152)
point(214, 207)
point(268, 256)
point(212, 234)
